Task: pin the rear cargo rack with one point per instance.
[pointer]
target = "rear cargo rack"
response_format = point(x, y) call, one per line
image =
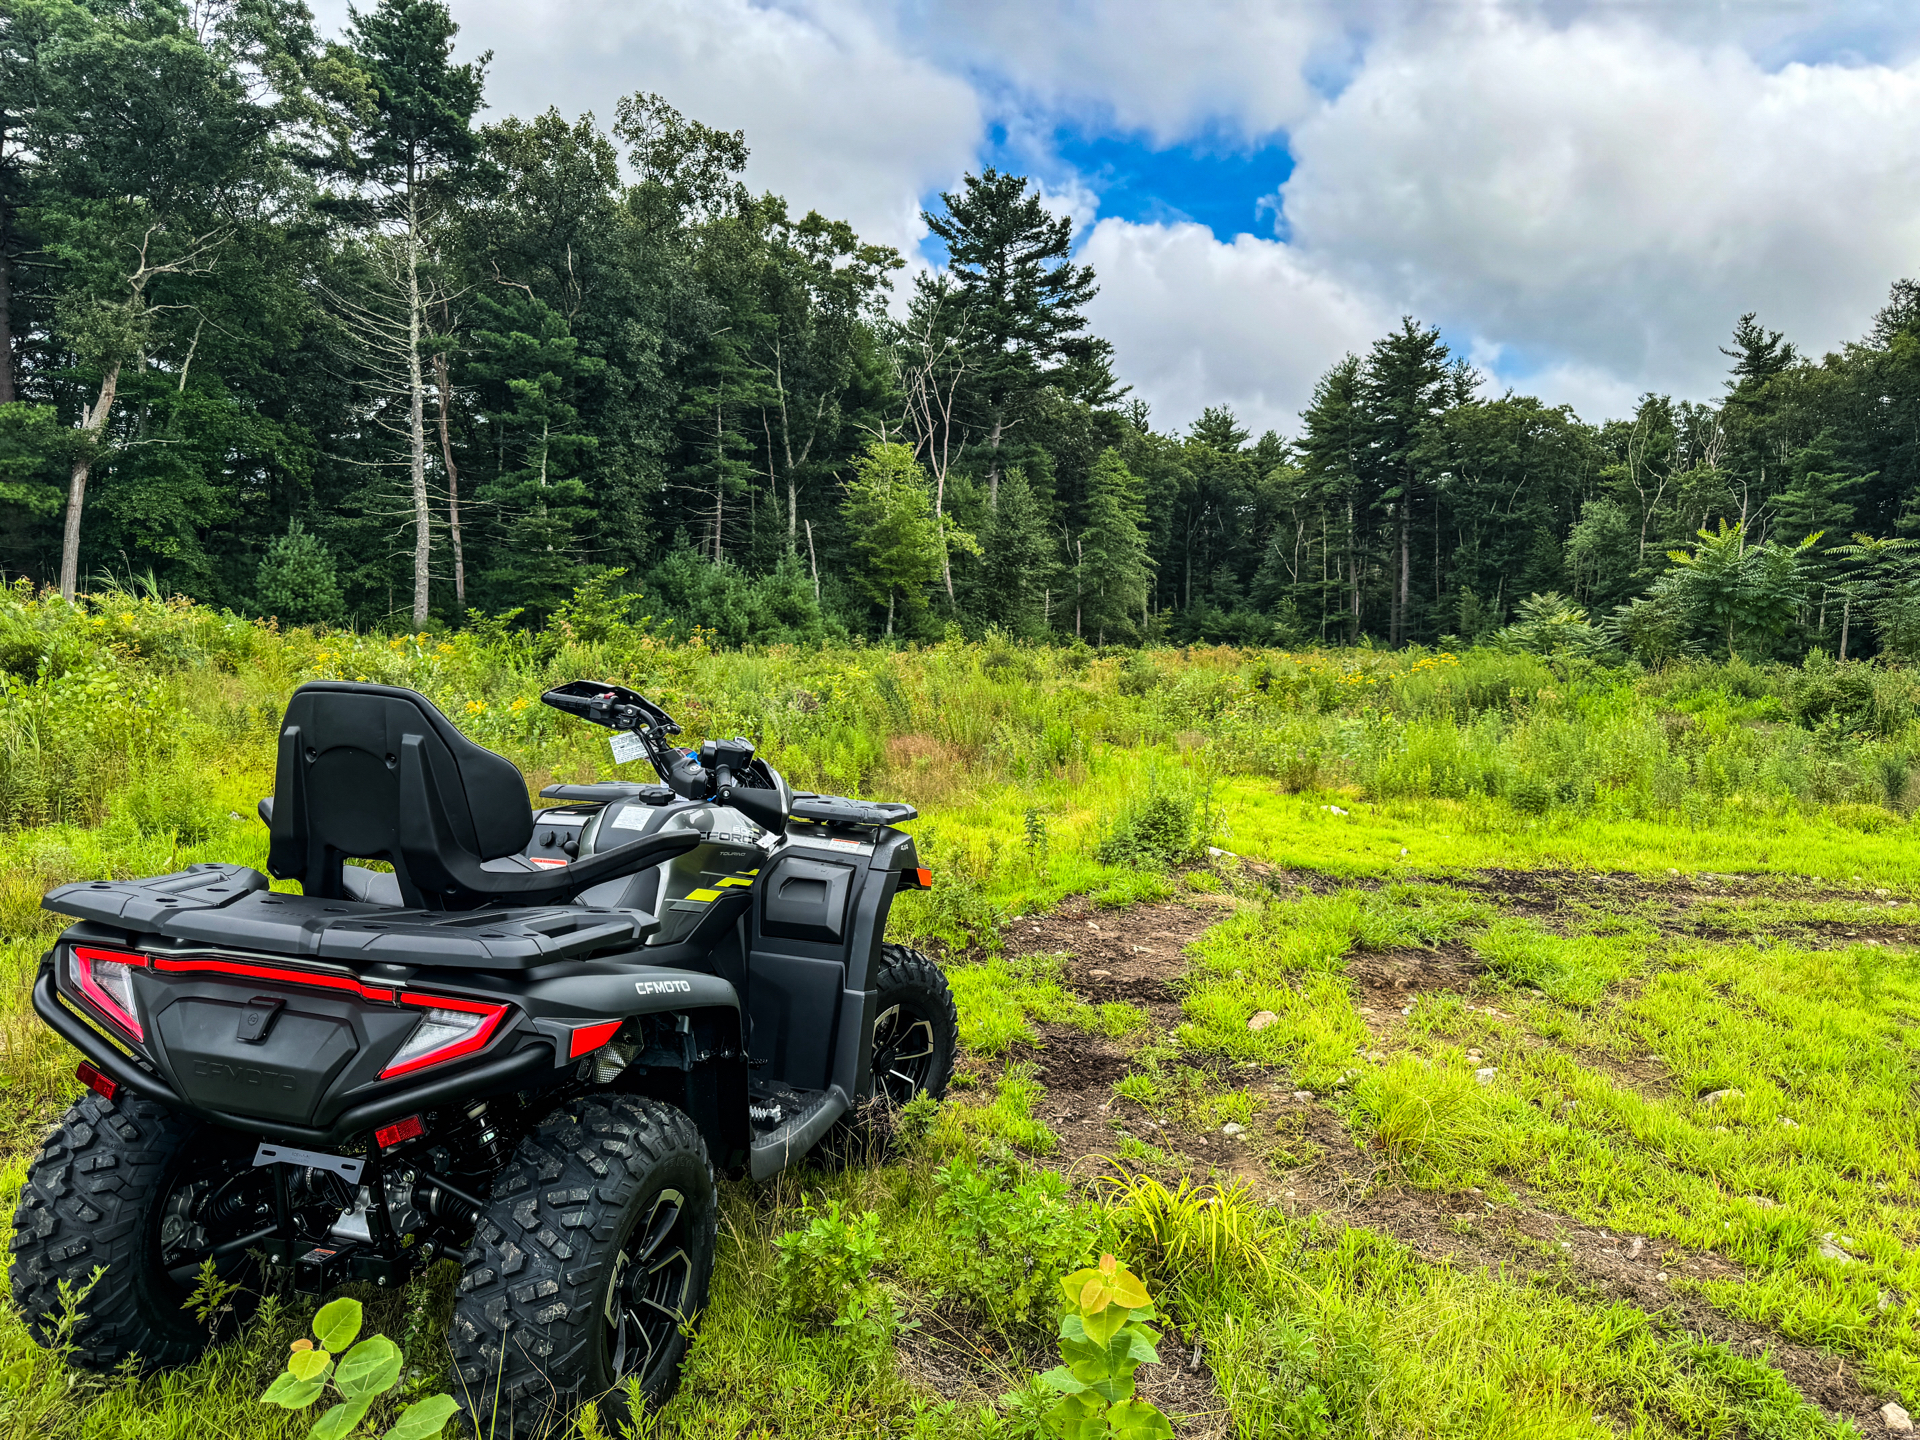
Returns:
point(227, 905)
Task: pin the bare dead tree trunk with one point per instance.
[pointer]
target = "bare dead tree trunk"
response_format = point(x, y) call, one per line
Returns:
point(812, 564)
point(1400, 595)
point(1847, 601)
point(445, 397)
point(417, 424)
point(994, 467)
point(6, 302)
point(90, 430)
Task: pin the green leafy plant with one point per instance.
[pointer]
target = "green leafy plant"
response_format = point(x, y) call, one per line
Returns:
point(827, 1269)
point(359, 1373)
point(1104, 1339)
point(1007, 1230)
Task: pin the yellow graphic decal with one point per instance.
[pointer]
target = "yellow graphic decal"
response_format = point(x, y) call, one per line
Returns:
point(703, 895)
point(737, 881)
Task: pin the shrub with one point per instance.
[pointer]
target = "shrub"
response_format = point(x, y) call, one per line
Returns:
point(1104, 1339)
point(1167, 822)
point(361, 1376)
point(1007, 1233)
point(827, 1271)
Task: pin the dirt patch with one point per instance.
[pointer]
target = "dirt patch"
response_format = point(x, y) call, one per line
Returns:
point(1388, 980)
point(1137, 955)
point(1466, 1230)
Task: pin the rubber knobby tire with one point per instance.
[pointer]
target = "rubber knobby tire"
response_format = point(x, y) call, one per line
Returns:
point(530, 1329)
point(910, 978)
point(92, 1197)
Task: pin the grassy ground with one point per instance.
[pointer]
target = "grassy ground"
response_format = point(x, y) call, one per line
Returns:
point(1581, 1102)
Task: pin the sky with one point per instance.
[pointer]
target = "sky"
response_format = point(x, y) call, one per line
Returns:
point(1584, 197)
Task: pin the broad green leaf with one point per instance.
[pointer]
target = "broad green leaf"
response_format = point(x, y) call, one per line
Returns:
point(1062, 1379)
point(1101, 1325)
point(368, 1369)
point(291, 1392)
point(1140, 1345)
point(1138, 1421)
point(309, 1365)
point(1075, 1419)
point(338, 1421)
point(337, 1323)
point(423, 1419)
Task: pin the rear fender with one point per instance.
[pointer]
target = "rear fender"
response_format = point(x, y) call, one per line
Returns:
point(675, 1036)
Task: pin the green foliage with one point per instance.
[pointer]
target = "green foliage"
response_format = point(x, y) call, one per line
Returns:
point(1104, 1339)
point(297, 581)
point(359, 1372)
point(1550, 625)
point(1169, 821)
point(827, 1269)
point(1743, 595)
point(889, 511)
point(1006, 1233)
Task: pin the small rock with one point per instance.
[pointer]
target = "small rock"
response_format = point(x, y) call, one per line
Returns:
point(1792, 1125)
point(1636, 1247)
point(1721, 1130)
point(1092, 927)
point(1335, 809)
point(1485, 1075)
point(1100, 975)
point(1715, 1098)
point(1473, 1054)
point(1881, 891)
point(1895, 1417)
point(1233, 1128)
point(1672, 871)
point(1303, 1095)
point(1660, 1275)
point(1567, 1245)
point(1261, 1020)
point(1403, 850)
point(1475, 1191)
point(1568, 1108)
point(1766, 1203)
point(1366, 1010)
point(1217, 851)
point(1287, 1193)
point(1375, 1056)
point(1885, 1301)
point(235, 815)
point(1347, 1079)
point(1830, 1250)
point(1537, 993)
point(1407, 1010)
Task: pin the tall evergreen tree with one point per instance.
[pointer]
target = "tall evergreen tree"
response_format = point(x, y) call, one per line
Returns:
point(1111, 565)
point(1019, 298)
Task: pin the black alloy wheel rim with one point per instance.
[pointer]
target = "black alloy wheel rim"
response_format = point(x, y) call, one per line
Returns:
point(903, 1052)
point(648, 1293)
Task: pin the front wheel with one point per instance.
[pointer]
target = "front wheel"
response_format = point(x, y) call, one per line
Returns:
point(595, 1253)
point(916, 1028)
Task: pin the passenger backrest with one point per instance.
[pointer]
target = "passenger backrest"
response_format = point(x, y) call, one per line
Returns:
point(337, 787)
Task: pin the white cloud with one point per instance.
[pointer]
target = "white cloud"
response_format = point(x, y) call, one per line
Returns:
point(1606, 201)
point(1196, 322)
point(1170, 70)
point(839, 116)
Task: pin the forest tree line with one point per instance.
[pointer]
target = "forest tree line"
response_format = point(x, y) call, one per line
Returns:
point(288, 327)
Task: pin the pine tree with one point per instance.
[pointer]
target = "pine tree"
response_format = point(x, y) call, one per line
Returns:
point(1017, 570)
point(297, 581)
point(1111, 563)
point(1020, 298)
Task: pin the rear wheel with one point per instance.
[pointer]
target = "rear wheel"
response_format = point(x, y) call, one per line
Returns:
point(143, 1192)
point(596, 1249)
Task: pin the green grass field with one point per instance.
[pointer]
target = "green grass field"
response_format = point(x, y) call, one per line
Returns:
point(1581, 1098)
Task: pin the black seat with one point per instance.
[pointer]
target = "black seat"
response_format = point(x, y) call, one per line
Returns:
point(376, 772)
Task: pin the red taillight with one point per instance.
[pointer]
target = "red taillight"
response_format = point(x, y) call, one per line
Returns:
point(95, 1082)
point(926, 878)
point(450, 1029)
point(105, 978)
point(405, 1129)
point(592, 1038)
